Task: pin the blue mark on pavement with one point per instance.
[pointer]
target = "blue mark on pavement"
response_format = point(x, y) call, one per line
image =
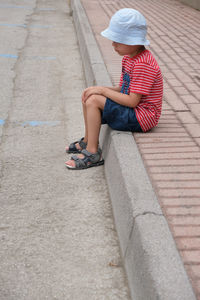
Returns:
point(15, 6)
point(25, 26)
point(40, 26)
point(25, 7)
point(34, 123)
point(40, 123)
point(30, 57)
point(42, 57)
point(9, 55)
point(47, 9)
point(12, 25)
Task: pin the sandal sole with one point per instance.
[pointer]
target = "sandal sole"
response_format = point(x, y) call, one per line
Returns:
point(73, 152)
point(99, 163)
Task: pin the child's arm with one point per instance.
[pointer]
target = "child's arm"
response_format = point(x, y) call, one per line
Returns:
point(85, 94)
point(115, 88)
point(131, 100)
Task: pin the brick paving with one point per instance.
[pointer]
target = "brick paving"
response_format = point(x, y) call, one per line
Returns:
point(171, 151)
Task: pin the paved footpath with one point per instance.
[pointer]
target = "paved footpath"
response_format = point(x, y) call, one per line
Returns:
point(171, 152)
point(57, 235)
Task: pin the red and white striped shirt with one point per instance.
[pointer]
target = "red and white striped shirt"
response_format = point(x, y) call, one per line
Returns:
point(141, 75)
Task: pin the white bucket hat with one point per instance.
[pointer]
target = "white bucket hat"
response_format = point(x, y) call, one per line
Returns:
point(127, 26)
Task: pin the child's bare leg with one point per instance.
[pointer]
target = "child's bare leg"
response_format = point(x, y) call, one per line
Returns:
point(85, 122)
point(92, 108)
point(86, 131)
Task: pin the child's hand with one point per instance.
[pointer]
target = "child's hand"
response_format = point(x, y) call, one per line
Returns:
point(93, 90)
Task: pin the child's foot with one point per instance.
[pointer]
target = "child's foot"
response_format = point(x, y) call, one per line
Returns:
point(76, 147)
point(85, 160)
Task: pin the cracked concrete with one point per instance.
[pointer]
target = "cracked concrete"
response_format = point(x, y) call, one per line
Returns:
point(8, 91)
point(20, 39)
point(149, 213)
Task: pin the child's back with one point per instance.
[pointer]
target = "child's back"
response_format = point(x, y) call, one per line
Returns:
point(145, 78)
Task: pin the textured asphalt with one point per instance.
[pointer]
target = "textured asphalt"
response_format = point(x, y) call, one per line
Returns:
point(58, 239)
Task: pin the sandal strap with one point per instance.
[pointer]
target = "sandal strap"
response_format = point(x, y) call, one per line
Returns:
point(88, 158)
point(80, 162)
point(82, 144)
point(94, 157)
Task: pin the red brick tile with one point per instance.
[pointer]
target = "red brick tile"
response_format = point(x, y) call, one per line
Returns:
point(194, 274)
point(193, 192)
point(168, 148)
point(181, 211)
point(189, 243)
point(188, 182)
point(174, 82)
point(164, 125)
point(168, 129)
point(184, 201)
point(170, 116)
point(195, 93)
point(173, 162)
point(193, 271)
point(185, 220)
point(195, 66)
point(165, 106)
point(187, 99)
point(186, 117)
point(173, 66)
point(182, 91)
point(184, 54)
point(197, 140)
point(190, 257)
point(182, 75)
point(190, 60)
point(198, 287)
point(194, 129)
point(174, 100)
point(187, 146)
point(95, 14)
point(174, 169)
point(166, 120)
point(195, 108)
point(192, 86)
point(149, 139)
point(173, 155)
point(185, 231)
point(167, 135)
point(169, 75)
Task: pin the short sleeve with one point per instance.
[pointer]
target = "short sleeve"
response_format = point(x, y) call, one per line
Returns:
point(121, 80)
point(143, 78)
point(122, 72)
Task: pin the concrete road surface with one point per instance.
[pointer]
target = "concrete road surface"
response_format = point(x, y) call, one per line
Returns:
point(57, 233)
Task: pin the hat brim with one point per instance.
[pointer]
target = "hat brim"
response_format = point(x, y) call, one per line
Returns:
point(126, 40)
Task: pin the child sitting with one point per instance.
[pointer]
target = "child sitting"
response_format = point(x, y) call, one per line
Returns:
point(135, 105)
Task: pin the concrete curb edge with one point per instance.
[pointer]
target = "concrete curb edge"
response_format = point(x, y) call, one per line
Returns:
point(153, 265)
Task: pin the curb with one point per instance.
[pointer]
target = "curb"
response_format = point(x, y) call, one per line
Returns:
point(153, 265)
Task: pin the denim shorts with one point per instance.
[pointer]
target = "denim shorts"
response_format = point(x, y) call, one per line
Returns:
point(120, 117)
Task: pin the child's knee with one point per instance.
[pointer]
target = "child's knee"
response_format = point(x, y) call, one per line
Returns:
point(96, 101)
point(92, 101)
